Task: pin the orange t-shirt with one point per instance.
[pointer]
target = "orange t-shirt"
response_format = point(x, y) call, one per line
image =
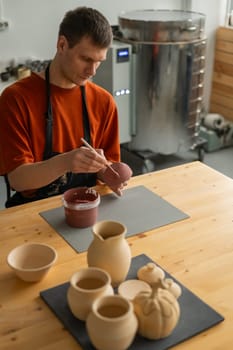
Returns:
point(22, 121)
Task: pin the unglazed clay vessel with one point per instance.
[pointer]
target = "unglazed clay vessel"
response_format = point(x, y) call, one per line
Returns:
point(150, 273)
point(122, 169)
point(109, 250)
point(81, 206)
point(86, 285)
point(32, 261)
point(158, 313)
point(112, 323)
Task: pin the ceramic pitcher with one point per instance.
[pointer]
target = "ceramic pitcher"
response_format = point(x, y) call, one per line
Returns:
point(109, 250)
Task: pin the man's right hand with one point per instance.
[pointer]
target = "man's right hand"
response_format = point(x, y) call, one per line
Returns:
point(84, 160)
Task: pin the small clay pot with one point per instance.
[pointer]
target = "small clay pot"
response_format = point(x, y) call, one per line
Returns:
point(81, 206)
point(5, 76)
point(23, 72)
point(112, 324)
point(86, 285)
point(122, 169)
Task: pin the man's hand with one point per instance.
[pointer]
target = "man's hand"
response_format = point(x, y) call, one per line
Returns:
point(113, 183)
point(83, 160)
point(35, 175)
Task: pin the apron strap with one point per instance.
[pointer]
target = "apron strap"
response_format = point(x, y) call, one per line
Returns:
point(48, 152)
point(86, 124)
point(49, 119)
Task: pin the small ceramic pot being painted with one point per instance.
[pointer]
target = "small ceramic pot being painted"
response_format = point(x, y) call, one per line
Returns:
point(86, 285)
point(112, 323)
point(122, 169)
point(109, 250)
point(81, 206)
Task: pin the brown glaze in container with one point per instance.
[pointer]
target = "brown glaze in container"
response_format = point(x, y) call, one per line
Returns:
point(81, 206)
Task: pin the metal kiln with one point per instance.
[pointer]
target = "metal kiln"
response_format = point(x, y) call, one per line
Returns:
point(168, 64)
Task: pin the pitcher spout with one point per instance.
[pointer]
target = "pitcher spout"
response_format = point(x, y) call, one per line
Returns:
point(106, 230)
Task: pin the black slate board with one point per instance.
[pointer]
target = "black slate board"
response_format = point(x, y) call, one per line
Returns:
point(139, 209)
point(196, 315)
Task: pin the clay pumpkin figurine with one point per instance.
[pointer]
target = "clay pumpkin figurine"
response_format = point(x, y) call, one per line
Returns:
point(157, 312)
point(169, 285)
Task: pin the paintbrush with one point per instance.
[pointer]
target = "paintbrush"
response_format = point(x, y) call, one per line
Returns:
point(93, 150)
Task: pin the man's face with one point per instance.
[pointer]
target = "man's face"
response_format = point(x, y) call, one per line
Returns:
point(79, 63)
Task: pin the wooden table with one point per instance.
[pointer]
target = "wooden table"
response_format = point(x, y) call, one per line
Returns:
point(197, 251)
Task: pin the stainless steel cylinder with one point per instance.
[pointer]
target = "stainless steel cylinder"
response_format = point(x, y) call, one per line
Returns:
point(167, 76)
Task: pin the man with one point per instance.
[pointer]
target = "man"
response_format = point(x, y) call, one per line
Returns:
point(44, 116)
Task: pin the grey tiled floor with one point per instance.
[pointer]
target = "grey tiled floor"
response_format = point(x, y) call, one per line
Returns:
point(221, 160)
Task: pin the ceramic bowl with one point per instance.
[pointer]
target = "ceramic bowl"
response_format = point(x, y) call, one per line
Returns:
point(130, 288)
point(32, 261)
point(81, 206)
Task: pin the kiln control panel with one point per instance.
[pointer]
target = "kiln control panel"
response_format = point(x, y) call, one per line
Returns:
point(114, 75)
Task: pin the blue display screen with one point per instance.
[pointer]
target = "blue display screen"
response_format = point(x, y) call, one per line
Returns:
point(123, 54)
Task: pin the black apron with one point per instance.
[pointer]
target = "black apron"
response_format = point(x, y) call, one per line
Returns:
point(68, 180)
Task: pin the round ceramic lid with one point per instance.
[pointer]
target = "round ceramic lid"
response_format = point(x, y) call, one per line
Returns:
point(130, 288)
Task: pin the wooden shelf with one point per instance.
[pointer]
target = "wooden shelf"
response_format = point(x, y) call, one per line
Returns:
point(221, 100)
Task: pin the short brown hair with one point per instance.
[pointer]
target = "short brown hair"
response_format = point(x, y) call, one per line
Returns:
point(86, 21)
